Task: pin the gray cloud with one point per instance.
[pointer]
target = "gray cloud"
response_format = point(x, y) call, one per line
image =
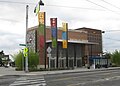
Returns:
point(12, 20)
point(10, 41)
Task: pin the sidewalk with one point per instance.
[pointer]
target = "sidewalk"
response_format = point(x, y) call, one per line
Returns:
point(77, 70)
point(11, 71)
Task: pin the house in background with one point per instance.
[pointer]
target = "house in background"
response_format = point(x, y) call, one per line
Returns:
point(4, 59)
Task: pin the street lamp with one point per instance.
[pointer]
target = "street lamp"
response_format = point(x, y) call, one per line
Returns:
point(41, 3)
point(103, 31)
point(37, 8)
point(26, 61)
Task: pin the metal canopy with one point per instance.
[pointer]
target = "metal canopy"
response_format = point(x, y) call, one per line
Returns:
point(75, 41)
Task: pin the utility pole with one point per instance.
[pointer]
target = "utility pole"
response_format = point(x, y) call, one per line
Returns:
point(26, 60)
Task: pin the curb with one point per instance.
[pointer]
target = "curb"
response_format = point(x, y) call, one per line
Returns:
point(70, 71)
point(43, 73)
point(88, 70)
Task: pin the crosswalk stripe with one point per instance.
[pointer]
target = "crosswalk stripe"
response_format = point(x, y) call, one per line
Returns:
point(29, 81)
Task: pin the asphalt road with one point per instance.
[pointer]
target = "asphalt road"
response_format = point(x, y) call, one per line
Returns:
point(7, 79)
point(96, 78)
point(91, 78)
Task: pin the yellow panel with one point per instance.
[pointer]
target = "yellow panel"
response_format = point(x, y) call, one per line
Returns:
point(64, 26)
point(64, 43)
point(41, 17)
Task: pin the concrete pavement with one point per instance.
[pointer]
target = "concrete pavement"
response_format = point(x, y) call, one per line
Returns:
point(11, 71)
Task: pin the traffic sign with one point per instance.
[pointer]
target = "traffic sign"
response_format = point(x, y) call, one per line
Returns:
point(25, 54)
point(49, 55)
point(25, 50)
point(49, 49)
point(22, 44)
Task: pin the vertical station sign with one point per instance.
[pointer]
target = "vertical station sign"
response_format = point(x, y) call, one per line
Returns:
point(64, 34)
point(41, 35)
point(41, 28)
point(53, 22)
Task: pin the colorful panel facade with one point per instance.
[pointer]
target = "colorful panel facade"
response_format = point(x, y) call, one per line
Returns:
point(54, 31)
point(65, 34)
point(41, 36)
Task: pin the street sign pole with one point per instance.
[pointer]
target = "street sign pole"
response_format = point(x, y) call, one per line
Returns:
point(22, 44)
point(26, 61)
point(23, 60)
point(49, 55)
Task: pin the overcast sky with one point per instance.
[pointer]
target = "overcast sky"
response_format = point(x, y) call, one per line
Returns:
point(96, 14)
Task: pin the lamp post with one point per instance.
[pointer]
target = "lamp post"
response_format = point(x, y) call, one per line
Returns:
point(37, 10)
point(41, 3)
point(26, 60)
point(101, 54)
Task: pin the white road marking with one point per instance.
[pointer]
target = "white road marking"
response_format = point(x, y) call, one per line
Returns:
point(29, 81)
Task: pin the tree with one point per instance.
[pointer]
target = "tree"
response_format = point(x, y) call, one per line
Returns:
point(108, 55)
point(116, 58)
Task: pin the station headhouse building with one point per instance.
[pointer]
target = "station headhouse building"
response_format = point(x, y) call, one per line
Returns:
point(82, 44)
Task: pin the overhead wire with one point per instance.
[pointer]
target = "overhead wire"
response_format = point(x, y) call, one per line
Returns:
point(112, 30)
point(63, 6)
point(14, 2)
point(53, 5)
point(72, 7)
point(111, 39)
point(111, 4)
point(66, 6)
point(102, 6)
point(76, 7)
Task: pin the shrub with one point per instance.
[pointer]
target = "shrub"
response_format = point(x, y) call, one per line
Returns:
point(116, 58)
point(33, 60)
point(18, 60)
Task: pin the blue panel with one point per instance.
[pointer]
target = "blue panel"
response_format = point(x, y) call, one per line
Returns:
point(54, 31)
point(64, 35)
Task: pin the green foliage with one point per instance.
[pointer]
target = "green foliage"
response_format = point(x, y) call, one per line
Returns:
point(18, 60)
point(108, 55)
point(116, 58)
point(33, 60)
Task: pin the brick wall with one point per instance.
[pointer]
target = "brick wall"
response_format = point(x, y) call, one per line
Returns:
point(71, 35)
